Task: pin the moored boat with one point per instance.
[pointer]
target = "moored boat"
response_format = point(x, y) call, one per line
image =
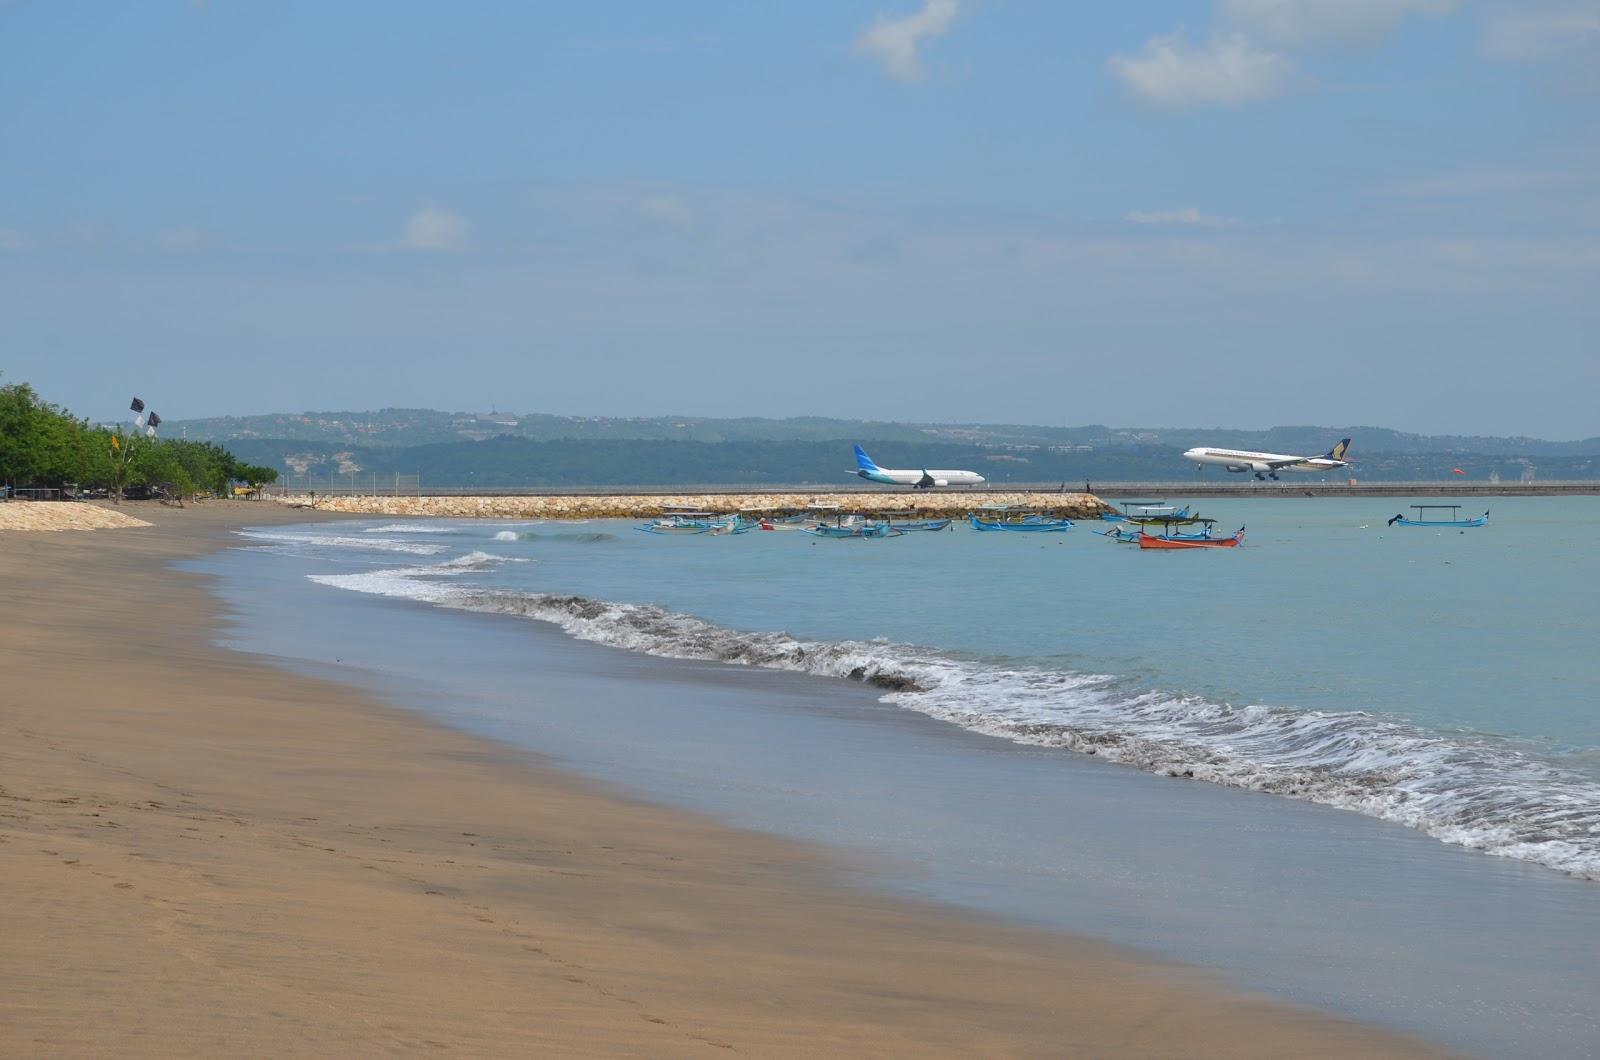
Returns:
point(1019, 522)
point(1191, 541)
point(862, 530)
point(1137, 511)
point(1423, 510)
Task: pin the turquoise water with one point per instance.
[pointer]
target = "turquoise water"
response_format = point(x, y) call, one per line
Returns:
point(1441, 679)
point(995, 720)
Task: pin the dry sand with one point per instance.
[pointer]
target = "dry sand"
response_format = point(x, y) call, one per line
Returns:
point(58, 515)
point(204, 855)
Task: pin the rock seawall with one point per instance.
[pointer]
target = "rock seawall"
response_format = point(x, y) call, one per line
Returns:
point(635, 506)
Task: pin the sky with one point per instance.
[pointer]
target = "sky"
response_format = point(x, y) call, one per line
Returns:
point(1231, 212)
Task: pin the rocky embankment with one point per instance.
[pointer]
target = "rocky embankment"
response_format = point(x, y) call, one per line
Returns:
point(633, 506)
point(62, 515)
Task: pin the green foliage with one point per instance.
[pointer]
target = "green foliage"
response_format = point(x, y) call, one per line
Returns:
point(43, 445)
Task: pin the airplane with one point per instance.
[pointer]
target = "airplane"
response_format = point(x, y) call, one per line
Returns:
point(923, 479)
point(1267, 465)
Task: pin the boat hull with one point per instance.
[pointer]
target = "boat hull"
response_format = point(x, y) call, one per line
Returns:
point(1482, 520)
point(1147, 541)
point(845, 532)
point(1043, 526)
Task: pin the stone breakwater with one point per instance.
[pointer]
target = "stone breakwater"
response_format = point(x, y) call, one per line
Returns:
point(629, 506)
point(62, 515)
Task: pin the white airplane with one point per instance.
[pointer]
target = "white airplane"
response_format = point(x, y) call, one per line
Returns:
point(922, 480)
point(1267, 465)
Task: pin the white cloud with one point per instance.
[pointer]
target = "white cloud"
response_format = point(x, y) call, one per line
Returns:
point(1303, 22)
point(431, 228)
point(1526, 34)
point(894, 41)
point(1226, 69)
point(1189, 215)
point(11, 239)
point(668, 209)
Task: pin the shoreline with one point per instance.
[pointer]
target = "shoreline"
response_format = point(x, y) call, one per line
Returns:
point(208, 853)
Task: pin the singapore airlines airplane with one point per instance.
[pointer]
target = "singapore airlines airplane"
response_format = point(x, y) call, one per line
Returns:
point(922, 480)
point(1267, 465)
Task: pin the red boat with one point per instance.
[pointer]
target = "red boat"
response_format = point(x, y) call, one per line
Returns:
point(1149, 541)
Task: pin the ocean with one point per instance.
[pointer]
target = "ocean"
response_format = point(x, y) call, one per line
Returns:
point(1352, 765)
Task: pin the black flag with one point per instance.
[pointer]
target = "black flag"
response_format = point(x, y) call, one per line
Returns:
point(137, 406)
point(154, 420)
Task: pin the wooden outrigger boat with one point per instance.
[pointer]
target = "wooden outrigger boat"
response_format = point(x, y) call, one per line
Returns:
point(1191, 541)
point(1138, 511)
point(682, 521)
point(1455, 519)
point(1130, 536)
point(909, 523)
point(853, 530)
point(1020, 522)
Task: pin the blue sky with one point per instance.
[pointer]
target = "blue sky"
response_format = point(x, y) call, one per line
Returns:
point(1239, 212)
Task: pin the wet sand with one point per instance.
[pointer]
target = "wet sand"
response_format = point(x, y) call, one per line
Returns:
point(203, 853)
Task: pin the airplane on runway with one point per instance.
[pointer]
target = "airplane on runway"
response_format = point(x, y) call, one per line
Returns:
point(1267, 465)
point(923, 479)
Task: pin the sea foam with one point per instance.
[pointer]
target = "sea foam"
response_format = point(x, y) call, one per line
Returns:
point(1481, 792)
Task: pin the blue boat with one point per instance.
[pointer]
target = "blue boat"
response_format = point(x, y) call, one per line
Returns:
point(907, 522)
point(1135, 511)
point(1131, 536)
point(1424, 510)
point(853, 530)
point(690, 522)
point(1031, 522)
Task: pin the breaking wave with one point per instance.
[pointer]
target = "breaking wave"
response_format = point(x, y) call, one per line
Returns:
point(410, 528)
point(1479, 792)
point(371, 544)
point(570, 537)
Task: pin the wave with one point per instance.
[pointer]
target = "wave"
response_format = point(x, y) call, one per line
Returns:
point(1481, 792)
point(411, 528)
point(371, 544)
point(571, 537)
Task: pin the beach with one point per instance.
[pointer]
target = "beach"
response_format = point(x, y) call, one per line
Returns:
point(206, 853)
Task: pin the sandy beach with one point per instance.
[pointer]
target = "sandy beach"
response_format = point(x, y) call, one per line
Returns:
point(205, 854)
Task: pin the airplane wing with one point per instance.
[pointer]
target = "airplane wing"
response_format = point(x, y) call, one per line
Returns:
point(1276, 464)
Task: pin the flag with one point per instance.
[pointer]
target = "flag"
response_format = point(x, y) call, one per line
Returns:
point(1457, 471)
point(137, 406)
point(150, 431)
point(155, 421)
point(116, 446)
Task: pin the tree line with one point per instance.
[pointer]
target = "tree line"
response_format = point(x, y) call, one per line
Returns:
point(44, 446)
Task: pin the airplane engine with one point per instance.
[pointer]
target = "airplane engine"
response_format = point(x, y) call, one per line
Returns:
point(941, 482)
point(1239, 469)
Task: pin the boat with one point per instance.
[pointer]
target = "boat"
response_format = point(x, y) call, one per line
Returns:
point(1134, 511)
point(1023, 522)
point(687, 521)
point(736, 525)
point(907, 522)
point(1191, 541)
point(853, 530)
point(1423, 510)
point(680, 521)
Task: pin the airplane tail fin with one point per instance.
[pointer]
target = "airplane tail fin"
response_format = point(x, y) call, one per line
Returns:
point(1338, 451)
point(863, 461)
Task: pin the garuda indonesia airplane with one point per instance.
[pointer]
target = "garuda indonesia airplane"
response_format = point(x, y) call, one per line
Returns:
point(923, 479)
point(1267, 465)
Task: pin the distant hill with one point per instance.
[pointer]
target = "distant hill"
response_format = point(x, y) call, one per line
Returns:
point(389, 428)
point(510, 460)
